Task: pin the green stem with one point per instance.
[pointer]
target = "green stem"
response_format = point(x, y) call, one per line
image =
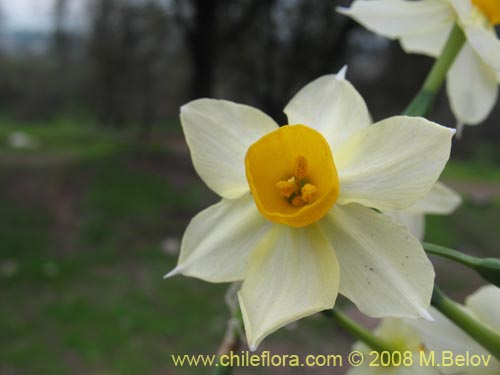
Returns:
point(446, 252)
point(422, 103)
point(222, 370)
point(485, 336)
point(359, 332)
point(231, 343)
point(488, 268)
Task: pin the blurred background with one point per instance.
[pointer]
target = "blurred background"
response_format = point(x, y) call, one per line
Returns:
point(96, 183)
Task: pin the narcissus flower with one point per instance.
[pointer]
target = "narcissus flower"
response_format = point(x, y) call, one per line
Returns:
point(443, 335)
point(404, 339)
point(441, 200)
point(424, 339)
point(295, 222)
point(423, 27)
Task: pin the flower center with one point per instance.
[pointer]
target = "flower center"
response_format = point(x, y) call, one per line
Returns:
point(296, 189)
point(292, 175)
point(491, 8)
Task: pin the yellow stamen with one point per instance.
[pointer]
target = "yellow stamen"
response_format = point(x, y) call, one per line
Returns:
point(300, 167)
point(287, 188)
point(308, 192)
point(491, 8)
point(297, 201)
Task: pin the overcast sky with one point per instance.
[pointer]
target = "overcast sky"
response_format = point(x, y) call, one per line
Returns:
point(36, 15)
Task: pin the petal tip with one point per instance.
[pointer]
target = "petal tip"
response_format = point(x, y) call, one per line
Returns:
point(342, 10)
point(424, 314)
point(342, 73)
point(176, 271)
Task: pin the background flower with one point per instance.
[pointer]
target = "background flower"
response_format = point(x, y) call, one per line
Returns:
point(443, 335)
point(403, 338)
point(423, 27)
point(441, 200)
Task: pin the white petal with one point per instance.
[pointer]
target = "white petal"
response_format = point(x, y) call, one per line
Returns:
point(293, 274)
point(485, 304)
point(393, 163)
point(219, 240)
point(429, 41)
point(405, 338)
point(441, 200)
point(443, 335)
point(472, 87)
point(405, 19)
point(219, 133)
point(486, 45)
point(397, 331)
point(332, 106)
point(479, 32)
point(415, 222)
point(342, 72)
point(383, 268)
point(463, 9)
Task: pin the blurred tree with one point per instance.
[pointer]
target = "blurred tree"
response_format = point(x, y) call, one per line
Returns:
point(205, 40)
point(127, 48)
point(61, 37)
point(287, 44)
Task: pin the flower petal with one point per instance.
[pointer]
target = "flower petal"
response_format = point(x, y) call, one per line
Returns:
point(404, 338)
point(293, 274)
point(415, 222)
point(485, 43)
point(485, 304)
point(463, 9)
point(479, 32)
point(472, 87)
point(332, 106)
point(429, 41)
point(440, 200)
point(383, 268)
point(405, 19)
point(393, 163)
point(219, 240)
point(219, 133)
point(442, 335)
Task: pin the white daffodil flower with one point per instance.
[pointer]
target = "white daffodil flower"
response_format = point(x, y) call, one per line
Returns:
point(295, 221)
point(404, 339)
point(423, 27)
point(441, 200)
point(444, 336)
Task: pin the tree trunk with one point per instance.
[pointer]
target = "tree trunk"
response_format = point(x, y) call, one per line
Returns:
point(201, 47)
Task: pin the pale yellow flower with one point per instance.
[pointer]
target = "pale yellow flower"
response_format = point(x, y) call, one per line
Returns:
point(423, 27)
point(295, 221)
point(435, 338)
point(441, 200)
point(403, 338)
point(443, 335)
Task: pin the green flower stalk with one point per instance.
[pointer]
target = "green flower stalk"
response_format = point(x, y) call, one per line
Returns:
point(423, 101)
point(488, 268)
point(483, 334)
point(359, 332)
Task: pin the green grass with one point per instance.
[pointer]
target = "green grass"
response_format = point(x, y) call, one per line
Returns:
point(81, 265)
point(472, 170)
